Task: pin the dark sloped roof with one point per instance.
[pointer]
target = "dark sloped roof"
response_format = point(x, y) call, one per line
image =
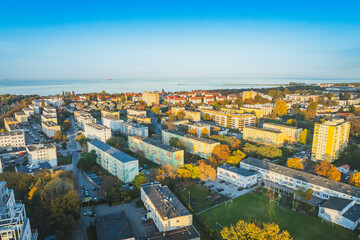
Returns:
point(121, 156)
point(353, 213)
point(240, 171)
point(336, 203)
point(304, 176)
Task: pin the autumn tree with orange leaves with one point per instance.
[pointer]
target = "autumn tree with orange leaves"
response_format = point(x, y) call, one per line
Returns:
point(328, 170)
point(355, 179)
point(221, 153)
point(294, 163)
point(207, 172)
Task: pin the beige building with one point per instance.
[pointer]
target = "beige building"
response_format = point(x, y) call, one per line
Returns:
point(110, 114)
point(42, 153)
point(10, 121)
point(139, 119)
point(97, 131)
point(83, 118)
point(247, 95)
point(194, 145)
point(12, 139)
point(48, 118)
point(263, 136)
point(291, 134)
point(330, 138)
point(200, 128)
point(50, 128)
point(164, 208)
point(136, 112)
point(21, 116)
point(151, 98)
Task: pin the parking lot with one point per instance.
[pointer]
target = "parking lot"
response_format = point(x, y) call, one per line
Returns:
point(230, 190)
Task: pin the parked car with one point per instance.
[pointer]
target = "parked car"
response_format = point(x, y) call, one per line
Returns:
point(222, 181)
point(143, 219)
point(227, 183)
point(88, 213)
point(220, 190)
point(211, 186)
point(240, 188)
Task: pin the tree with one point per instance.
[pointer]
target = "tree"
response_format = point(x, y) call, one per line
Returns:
point(166, 171)
point(292, 122)
point(139, 179)
point(192, 132)
point(221, 153)
point(173, 141)
point(294, 163)
point(236, 157)
point(280, 108)
point(254, 231)
point(313, 107)
point(60, 137)
point(120, 141)
point(180, 115)
point(172, 117)
point(308, 194)
point(347, 96)
point(206, 117)
point(66, 125)
point(187, 171)
point(155, 110)
point(183, 128)
point(87, 160)
point(205, 132)
point(207, 172)
point(303, 137)
point(81, 139)
point(328, 170)
point(239, 102)
point(355, 179)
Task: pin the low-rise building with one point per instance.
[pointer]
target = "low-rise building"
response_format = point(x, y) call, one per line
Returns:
point(139, 119)
point(49, 128)
point(35, 107)
point(133, 129)
point(238, 176)
point(42, 153)
point(110, 114)
point(194, 145)
point(8, 121)
point(118, 163)
point(97, 131)
point(156, 151)
point(48, 118)
point(263, 136)
point(345, 169)
point(21, 117)
point(12, 139)
point(343, 212)
point(83, 118)
point(291, 134)
point(164, 208)
point(113, 123)
point(28, 111)
point(136, 112)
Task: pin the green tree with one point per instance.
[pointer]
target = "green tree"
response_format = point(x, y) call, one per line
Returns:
point(172, 117)
point(206, 117)
point(81, 139)
point(139, 179)
point(122, 98)
point(120, 141)
point(155, 110)
point(87, 160)
point(180, 115)
point(347, 96)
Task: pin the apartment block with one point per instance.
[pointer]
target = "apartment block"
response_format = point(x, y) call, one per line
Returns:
point(156, 151)
point(231, 120)
point(136, 112)
point(164, 208)
point(194, 145)
point(49, 128)
point(263, 136)
point(200, 128)
point(41, 153)
point(35, 107)
point(110, 114)
point(139, 119)
point(9, 121)
point(330, 138)
point(119, 164)
point(48, 118)
point(323, 188)
point(49, 113)
point(189, 114)
point(133, 129)
point(12, 139)
point(237, 176)
point(14, 224)
point(291, 134)
point(257, 111)
point(247, 95)
point(21, 117)
point(28, 111)
point(113, 123)
point(83, 118)
point(151, 98)
point(97, 131)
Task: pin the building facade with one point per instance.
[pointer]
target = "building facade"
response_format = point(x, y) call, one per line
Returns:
point(151, 98)
point(237, 176)
point(21, 117)
point(49, 128)
point(110, 114)
point(291, 134)
point(114, 161)
point(200, 128)
point(97, 131)
point(139, 119)
point(48, 118)
point(194, 145)
point(156, 151)
point(263, 136)
point(136, 112)
point(41, 153)
point(133, 129)
point(12, 139)
point(330, 138)
point(113, 123)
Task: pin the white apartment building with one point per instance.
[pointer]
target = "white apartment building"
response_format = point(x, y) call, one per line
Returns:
point(28, 111)
point(113, 123)
point(21, 117)
point(14, 224)
point(49, 128)
point(49, 113)
point(97, 131)
point(12, 139)
point(136, 112)
point(151, 98)
point(118, 163)
point(164, 208)
point(42, 153)
point(238, 176)
point(83, 118)
point(35, 107)
point(200, 128)
point(48, 118)
point(323, 188)
point(133, 129)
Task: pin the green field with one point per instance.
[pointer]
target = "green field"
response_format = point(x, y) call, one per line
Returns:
point(199, 196)
point(253, 206)
point(61, 160)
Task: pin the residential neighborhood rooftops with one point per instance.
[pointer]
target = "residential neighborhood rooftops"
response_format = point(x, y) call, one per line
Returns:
point(240, 171)
point(40, 147)
point(20, 113)
point(304, 176)
point(114, 226)
point(184, 233)
point(336, 203)
point(263, 129)
point(121, 156)
point(10, 119)
point(97, 126)
point(164, 200)
point(205, 140)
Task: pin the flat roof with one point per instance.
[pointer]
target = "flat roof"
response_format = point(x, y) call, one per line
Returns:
point(40, 147)
point(205, 140)
point(10, 119)
point(114, 226)
point(20, 113)
point(50, 124)
point(11, 133)
point(184, 233)
point(121, 156)
point(132, 124)
point(240, 171)
point(97, 126)
point(304, 176)
point(353, 213)
point(165, 202)
point(281, 125)
point(47, 116)
point(263, 129)
point(14, 126)
point(156, 143)
point(336, 203)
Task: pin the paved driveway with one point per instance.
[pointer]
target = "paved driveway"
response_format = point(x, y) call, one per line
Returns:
point(230, 190)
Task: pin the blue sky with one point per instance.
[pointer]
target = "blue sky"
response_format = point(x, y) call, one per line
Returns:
point(179, 39)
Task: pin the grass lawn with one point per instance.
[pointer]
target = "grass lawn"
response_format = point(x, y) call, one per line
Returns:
point(199, 195)
point(61, 160)
point(253, 206)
